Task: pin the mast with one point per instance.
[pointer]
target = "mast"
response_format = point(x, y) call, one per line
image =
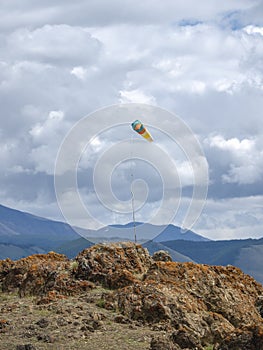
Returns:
point(132, 196)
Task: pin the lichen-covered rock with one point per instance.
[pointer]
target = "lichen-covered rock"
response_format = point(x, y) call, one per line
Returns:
point(163, 343)
point(186, 340)
point(39, 275)
point(243, 339)
point(198, 304)
point(114, 265)
point(194, 305)
point(141, 302)
point(162, 255)
point(214, 289)
point(13, 273)
point(25, 347)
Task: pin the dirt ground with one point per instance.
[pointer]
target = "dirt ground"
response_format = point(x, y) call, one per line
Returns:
point(67, 324)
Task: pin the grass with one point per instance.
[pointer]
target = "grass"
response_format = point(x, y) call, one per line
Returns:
point(100, 303)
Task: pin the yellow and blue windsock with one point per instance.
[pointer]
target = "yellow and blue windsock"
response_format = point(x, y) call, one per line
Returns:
point(140, 129)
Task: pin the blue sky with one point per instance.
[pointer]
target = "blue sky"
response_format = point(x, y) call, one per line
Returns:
point(61, 61)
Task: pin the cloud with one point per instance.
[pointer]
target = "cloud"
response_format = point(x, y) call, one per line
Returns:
point(230, 219)
point(52, 44)
point(251, 29)
point(101, 13)
point(241, 160)
point(60, 62)
point(79, 72)
point(45, 132)
point(233, 145)
point(46, 139)
point(136, 96)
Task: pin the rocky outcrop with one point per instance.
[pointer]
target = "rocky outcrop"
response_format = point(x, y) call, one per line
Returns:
point(162, 255)
point(243, 339)
point(198, 304)
point(113, 265)
point(163, 342)
point(25, 347)
point(44, 275)
point(193, 305)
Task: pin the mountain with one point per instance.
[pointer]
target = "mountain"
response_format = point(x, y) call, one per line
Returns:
point(19, 226)
point(72, 248)
point(23, 234)
point(143, 231)
point(153, 247)
point(172, 233)
point(250, 260)
point(15, 251)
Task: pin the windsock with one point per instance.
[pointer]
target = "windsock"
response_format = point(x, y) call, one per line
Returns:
point(140, 129)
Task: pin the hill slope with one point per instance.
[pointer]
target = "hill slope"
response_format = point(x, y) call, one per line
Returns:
point(22, 234)
point(153, 247)
point(172, 233)
point(72, 248)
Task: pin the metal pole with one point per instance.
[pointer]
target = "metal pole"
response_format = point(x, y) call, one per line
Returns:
point(133, 217)
point(132, 194)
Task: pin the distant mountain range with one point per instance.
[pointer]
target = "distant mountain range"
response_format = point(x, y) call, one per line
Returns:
point(143, 231)
point(23, 234)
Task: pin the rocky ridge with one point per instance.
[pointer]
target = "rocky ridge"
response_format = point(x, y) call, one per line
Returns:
point(175, 305)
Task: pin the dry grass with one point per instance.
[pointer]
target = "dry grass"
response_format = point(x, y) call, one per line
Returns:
point(69, 324)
